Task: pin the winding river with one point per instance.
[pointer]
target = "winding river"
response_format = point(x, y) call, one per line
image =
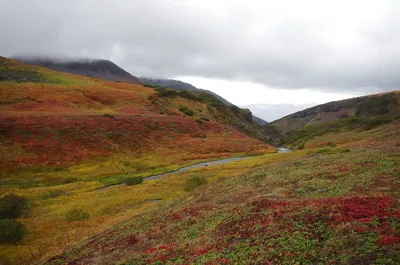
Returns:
point(202, 164)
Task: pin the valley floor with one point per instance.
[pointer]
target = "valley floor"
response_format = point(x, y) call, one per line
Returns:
point(322, 205)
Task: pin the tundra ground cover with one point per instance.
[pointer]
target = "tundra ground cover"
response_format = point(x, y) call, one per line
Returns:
point(304, 207)
point(63, 137)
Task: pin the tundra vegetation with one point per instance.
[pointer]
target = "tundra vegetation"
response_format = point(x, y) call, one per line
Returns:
point(335, 201)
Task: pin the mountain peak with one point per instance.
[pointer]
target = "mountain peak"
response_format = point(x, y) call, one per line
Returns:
point(97, 68)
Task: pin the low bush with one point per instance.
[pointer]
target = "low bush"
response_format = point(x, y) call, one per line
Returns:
point(77, 215)
point(152, 86)
point(133, 181)
point(331, 144)
point(235, 109)
point(11, 231)
point(186, 110)
point(108, 115)
point(13, 206)
point(199, 120)
point(329, 151)
point(194, 182)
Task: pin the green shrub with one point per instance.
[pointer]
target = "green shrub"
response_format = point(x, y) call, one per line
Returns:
point(133, 181)
point(77, 215)
point(108, 115)
point(194, 182)
point(11, 231)
point(377, 105)
point(199, 120)
point(235, 109)
point(13, 206)
point(152, 86)
point(301, 136)
point(331, 144)
point(186, 110)
point(205, 119)
point(329, 151)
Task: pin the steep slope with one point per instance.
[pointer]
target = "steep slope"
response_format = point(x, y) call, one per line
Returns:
point(373, 105)
point(102, 69)
point(260, 121)
point(177, 84)
point(60, 120)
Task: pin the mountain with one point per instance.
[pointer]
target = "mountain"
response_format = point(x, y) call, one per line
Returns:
point(367, 106)
point(363, 114)
point(177, 84)
point(75, 152)
point(259, 120)
point(113, 118)
point(96, 68)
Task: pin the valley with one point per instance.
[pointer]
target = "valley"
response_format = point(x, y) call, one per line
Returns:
point(124, 173)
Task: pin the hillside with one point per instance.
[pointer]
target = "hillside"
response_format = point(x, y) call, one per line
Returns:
point(177, 84)
point(372, 105)
point(102, 69)
point(65, 119)
point(326, 205)
point(64, 136)
point(76, 150)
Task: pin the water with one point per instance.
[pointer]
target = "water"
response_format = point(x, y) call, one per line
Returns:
point(203, 164)
point(284, 150)
point(184, 169)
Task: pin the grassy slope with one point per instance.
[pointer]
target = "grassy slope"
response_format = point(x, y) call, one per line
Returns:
point(312, 206)
point(54, 126)
point(368, 106)
point(57, 148)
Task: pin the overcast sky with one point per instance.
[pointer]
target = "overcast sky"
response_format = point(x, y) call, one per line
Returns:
point(250, 52)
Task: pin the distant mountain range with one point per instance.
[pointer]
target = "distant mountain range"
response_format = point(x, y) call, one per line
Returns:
point(97, 68)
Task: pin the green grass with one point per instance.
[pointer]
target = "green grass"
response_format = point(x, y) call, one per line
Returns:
point(298, 138)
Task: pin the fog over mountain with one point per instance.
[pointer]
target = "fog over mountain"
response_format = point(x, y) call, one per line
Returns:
point(342, 47)
point(331, 46)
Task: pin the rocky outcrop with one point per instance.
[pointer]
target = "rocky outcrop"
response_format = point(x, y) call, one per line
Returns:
point(247, 115)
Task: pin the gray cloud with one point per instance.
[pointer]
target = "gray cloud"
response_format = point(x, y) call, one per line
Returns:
point(222, 39)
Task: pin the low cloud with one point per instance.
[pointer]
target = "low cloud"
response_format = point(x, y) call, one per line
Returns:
point(335, 46)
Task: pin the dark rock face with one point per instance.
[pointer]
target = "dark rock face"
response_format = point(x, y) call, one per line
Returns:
point(102, 69)
point(247, 115)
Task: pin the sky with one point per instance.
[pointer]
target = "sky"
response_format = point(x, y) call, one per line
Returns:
point(272, 56)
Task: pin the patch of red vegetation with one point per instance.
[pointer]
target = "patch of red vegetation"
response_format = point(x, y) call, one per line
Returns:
point(271, 215)
point(344, 168)
point(388, 240)
point(64, 140)
point(161, 253)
